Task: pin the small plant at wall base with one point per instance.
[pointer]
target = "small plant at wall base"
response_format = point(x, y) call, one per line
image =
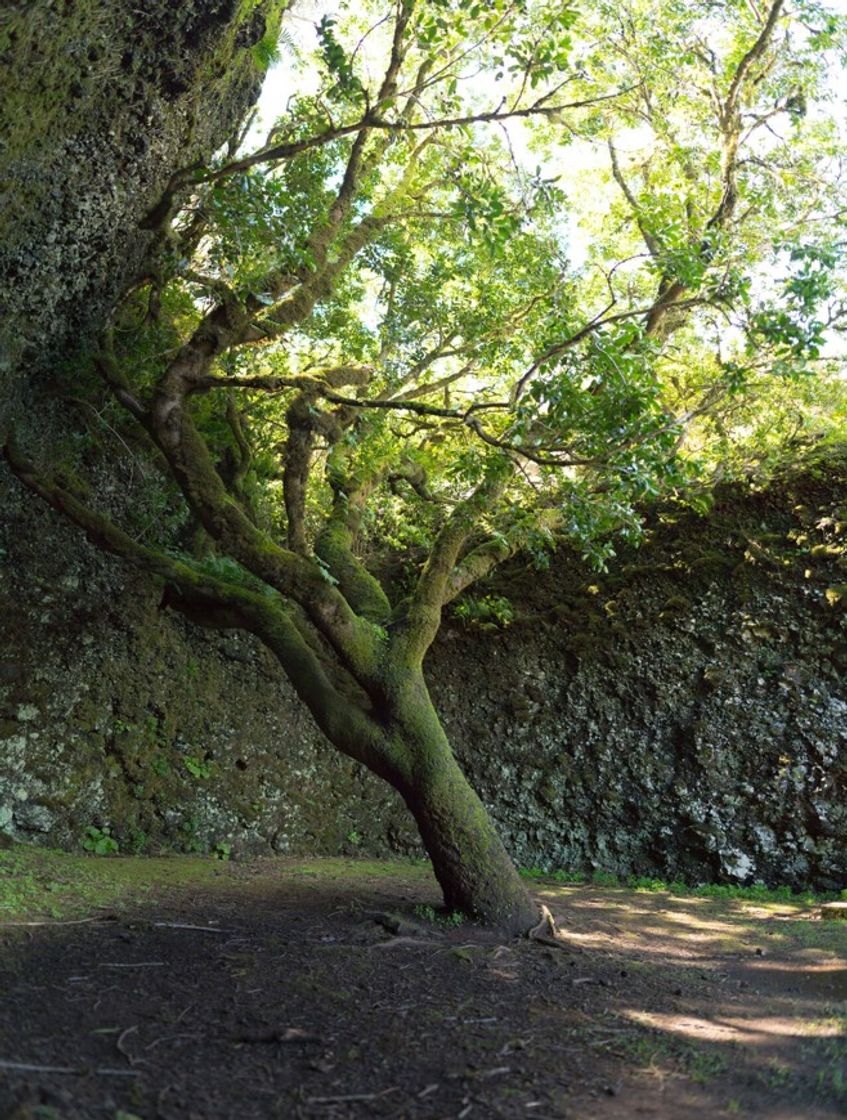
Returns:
point(429, 914)
point(190, 842)
point(198, 767)
point(99, 841)
point(371, 330)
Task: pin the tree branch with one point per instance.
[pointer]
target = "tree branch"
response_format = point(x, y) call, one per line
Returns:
point(649, 240)
point(228, 605)
point(423, 615)
point(477, 564)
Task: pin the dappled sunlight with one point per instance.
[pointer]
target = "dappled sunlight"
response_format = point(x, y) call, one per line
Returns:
point(803, 968)
point(701, 925)
point(687, 1025)
point(788, 1027)
point(751, 1030)
point(690, 927)
point(687, 929)
point(640, 901)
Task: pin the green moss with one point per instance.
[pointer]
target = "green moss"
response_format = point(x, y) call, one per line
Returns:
point(349, 868)
point(57, 66)
point(718, 891)
point(713, 562)
point(39, 883)
point(676, 604)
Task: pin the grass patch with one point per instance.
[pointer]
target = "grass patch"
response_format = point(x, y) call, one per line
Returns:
point(353, 867)
point(577, 878)
point(755, 893)
point(649, 1051)
point(40, 883)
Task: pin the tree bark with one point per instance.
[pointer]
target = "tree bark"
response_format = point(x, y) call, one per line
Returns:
point(407, 747)
point(473, 868)
point(474, 871)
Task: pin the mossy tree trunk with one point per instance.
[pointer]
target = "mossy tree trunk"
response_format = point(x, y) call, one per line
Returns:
point(397, 734)
point(354, 657)
point(366, 691)
point(475, 873)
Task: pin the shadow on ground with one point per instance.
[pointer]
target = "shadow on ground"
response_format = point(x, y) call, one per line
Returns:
point(324, 990)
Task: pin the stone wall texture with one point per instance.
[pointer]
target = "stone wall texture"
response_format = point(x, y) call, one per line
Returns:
point(681, 716)
point(102, 101)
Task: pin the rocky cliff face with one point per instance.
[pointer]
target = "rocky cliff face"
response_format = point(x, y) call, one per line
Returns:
point(102, 102)
point(682, 715)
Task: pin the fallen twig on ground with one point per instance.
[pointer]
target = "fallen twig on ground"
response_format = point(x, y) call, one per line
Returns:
point(136, 964)
point(187, 925)
point(353, 1097)
point(29, 1067)
point(53, 922)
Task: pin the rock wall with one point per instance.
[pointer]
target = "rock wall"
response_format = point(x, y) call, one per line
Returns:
point(686, 714)
point(103, 100)
point(117, 715)
point(110, 713)
point(681, 716)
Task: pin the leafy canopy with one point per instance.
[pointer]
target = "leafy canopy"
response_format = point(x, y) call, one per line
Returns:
point(579, 259)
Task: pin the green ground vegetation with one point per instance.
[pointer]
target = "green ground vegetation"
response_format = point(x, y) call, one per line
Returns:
point(46, 883)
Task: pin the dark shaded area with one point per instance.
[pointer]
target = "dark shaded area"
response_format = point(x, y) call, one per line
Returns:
point(301, 999)
point(683, 714)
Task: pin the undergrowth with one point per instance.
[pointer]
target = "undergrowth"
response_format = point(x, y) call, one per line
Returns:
point(42, 882)
point(756, 892)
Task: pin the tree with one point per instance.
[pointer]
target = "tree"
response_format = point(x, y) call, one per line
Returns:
point(367, 338)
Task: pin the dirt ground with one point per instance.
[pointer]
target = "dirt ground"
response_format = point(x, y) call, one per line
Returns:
point(325, 990)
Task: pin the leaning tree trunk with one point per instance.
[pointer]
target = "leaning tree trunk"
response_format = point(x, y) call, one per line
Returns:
point(474, 870)
point(470, 863)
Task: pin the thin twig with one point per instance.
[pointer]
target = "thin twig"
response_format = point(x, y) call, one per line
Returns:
point(137, 964)
point(186, 925)
point(416, 942)
point(169, 1038)
point(120, 1040)
point(29, 1067)
point(353, 1097)
point(69, 922)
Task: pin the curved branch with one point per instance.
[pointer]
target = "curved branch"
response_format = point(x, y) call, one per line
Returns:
point(299, 305)
point(229, 606)
point(335, 542)
point(361, 589)
point(370, 120)
point(476, 565)
point(649, 240)
point(423, 613)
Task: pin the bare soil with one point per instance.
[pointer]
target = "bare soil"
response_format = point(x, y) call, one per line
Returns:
point(283, 989)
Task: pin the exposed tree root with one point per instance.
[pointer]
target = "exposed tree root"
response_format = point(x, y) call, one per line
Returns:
point(548, 933)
